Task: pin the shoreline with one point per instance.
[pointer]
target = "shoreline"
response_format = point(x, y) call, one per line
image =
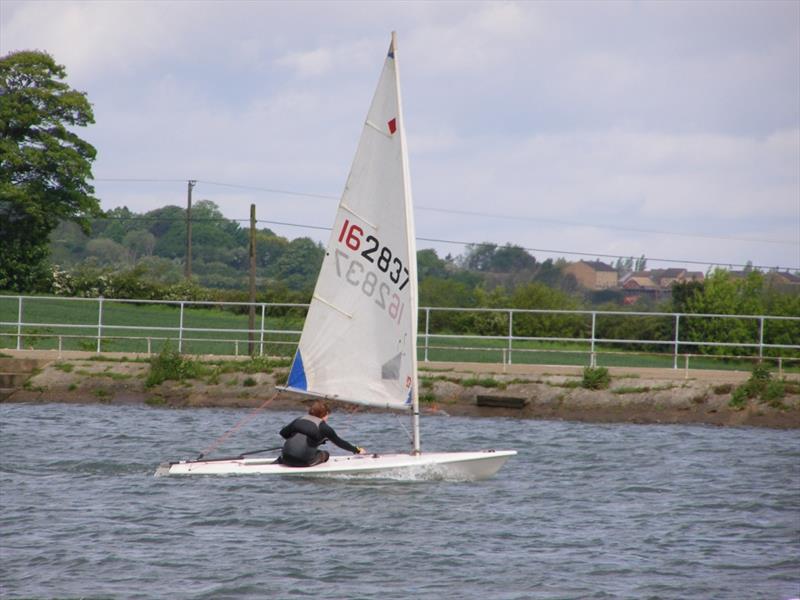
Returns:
point(636, 395)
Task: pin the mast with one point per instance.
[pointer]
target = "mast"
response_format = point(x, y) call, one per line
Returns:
point(412, 252)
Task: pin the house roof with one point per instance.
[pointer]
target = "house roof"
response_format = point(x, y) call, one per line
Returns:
point(597, 265)
point(639, 283)
point(786, 276)
point(672, 273)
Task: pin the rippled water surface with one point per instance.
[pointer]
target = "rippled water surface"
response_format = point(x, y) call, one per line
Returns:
point(584, 511)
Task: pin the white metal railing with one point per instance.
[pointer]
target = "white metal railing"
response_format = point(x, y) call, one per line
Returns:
point(103, 330)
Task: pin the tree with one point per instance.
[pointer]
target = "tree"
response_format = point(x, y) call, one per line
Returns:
point(44, 166)
point(430, 265)
point(479, 257)
point(300, 264)
point(722, 294)
point(107, 252)
point(139, 243)
point(511, 258)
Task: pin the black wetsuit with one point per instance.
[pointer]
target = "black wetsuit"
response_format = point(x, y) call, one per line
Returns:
point(303, 435)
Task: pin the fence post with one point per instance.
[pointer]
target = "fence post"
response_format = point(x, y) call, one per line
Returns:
point(149, 347)
point(510, 333)
point(99, 323)
point(427, 330)
point(19, 323)
point(180, 331)
point(261, 337)
point(593, 356)
point(677, 329)
point(761, 338)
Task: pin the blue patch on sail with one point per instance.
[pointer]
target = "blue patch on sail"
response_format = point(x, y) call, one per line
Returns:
point(408, 398)
point(391, 54)
point(297, 376)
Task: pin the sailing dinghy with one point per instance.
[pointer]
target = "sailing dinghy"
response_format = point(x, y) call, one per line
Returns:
point(359, 341)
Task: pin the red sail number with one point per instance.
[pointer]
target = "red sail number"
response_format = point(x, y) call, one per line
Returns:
point(351, 236)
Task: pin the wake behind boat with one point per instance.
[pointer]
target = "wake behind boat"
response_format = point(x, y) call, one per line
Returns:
point(359, 339)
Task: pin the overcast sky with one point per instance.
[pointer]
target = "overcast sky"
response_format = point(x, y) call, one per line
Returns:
point(669, 129)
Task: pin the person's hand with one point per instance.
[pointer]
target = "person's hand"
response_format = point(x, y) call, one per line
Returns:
point(360, 450)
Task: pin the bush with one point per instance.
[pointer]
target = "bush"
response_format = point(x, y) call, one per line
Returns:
point(739, 398)
point(595, 378)
point(170, 364)
point(427, 398)
point(760, 373)
point(773, 393)
point(488, 382)
point(761, 386)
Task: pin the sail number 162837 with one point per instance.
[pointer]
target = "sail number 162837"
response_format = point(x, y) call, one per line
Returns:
point(352, 236)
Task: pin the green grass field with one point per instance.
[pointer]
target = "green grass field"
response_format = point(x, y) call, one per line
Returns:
point(76, 321)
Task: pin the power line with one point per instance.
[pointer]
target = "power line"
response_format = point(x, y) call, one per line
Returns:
point(467, 213)
point(599, 255)
point(269, 190)
point(220, 184)
point(138, 180)
point(464, 243)
point(595, 226)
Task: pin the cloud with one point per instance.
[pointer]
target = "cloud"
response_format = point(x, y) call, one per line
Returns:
point(605, 120)
point(93, 37)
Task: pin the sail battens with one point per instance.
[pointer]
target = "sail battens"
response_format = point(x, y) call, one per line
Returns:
point(346, 208)
point(379, 129)
point(294, 390)
point(333, 306)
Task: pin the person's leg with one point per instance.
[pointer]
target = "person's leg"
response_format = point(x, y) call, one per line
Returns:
point(321, 457)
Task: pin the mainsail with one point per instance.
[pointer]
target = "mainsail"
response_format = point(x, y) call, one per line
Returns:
point(359, 339)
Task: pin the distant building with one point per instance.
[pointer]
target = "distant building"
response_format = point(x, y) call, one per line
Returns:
point(639, 286)
point(783, 278)
point(639, 283)
point(594, 274)
point(662, 279)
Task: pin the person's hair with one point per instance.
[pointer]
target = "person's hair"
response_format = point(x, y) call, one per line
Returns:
point(319, 409)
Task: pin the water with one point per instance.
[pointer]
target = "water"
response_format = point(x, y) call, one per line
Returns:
point(600, 511)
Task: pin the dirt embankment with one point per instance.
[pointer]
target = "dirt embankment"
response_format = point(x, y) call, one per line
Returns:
point(534, 392)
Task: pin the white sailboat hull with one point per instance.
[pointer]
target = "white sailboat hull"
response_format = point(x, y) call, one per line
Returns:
point(458, 466)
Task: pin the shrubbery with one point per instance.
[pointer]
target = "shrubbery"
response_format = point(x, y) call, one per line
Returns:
point(595, 378)
point(171, 364)
point(761, 386)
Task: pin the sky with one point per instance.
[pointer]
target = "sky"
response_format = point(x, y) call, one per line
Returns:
point(578, 129)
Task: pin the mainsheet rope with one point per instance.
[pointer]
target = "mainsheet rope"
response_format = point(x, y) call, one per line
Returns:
point(237, 427)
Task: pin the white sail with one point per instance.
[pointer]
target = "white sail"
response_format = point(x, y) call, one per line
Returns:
point(359, 339)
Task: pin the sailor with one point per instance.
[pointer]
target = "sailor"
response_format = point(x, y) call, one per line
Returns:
point(306, 433)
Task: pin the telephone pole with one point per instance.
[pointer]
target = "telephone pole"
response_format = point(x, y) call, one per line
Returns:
point(188, 271)
point(251, 322)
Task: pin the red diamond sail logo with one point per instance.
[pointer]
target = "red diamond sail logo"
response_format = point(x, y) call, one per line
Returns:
point(392, 125)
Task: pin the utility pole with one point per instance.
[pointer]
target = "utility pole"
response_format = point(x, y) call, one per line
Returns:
point(251, 322)
point(188, 269)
